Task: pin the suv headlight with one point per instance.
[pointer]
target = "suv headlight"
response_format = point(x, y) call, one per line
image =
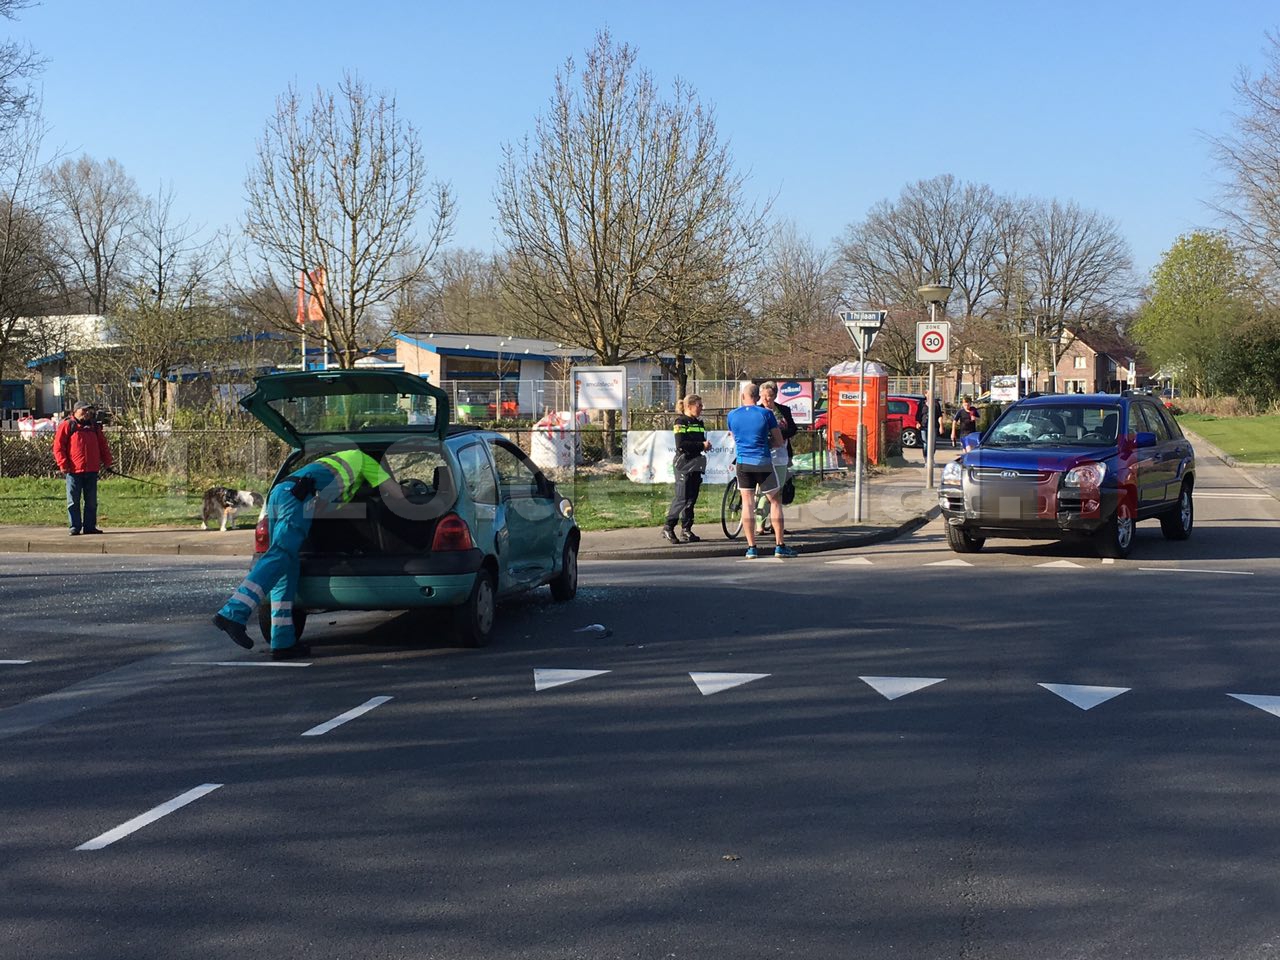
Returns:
point(1086, 474)
point(953, 472)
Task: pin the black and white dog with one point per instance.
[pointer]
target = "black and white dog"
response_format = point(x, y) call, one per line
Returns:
point(225, 502)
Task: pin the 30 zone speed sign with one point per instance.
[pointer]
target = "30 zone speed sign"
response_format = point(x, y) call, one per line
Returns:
point(933, 342)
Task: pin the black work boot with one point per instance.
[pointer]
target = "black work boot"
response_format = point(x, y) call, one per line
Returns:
point(235, 631)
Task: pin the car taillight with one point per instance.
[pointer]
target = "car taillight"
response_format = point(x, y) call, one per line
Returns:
point(262, 536)
point(451, 534)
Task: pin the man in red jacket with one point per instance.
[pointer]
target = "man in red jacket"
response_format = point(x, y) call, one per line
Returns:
point(80, 450)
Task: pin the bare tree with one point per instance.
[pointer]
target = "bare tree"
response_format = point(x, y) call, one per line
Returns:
point(464, 294)
point(1249, 155)
point(937, 230)
point(339, 188)
point(798, 296)
point(169, 310)
point(1079, 264)
point(97, 206)
point(18, 64)
point(27, 264)
point(623, 221)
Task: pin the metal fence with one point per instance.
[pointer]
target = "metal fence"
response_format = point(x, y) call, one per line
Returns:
point(229, 457)
point(194, 456)
point(488, 400)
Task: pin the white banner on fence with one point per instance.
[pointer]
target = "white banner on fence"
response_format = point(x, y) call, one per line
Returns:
point(650, 456)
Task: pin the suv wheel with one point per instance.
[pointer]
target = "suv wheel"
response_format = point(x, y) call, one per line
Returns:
point(911, 437)
point(1115, 539)
point(473, 620)
point(1177, 523)
point(962, 541)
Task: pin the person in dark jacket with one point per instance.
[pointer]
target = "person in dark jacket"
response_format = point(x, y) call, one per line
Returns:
point(690, 464)
point(80, 450)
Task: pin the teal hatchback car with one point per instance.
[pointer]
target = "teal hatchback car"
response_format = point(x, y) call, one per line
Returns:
point(470, 519)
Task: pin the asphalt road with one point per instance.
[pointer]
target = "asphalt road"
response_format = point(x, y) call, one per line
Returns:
point(400, 797)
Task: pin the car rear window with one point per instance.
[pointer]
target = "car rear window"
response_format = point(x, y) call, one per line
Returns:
point(358, 412)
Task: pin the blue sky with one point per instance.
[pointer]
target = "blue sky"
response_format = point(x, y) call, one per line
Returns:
point(825, 105)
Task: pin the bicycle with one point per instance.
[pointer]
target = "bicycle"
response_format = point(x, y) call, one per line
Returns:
point(731, 509)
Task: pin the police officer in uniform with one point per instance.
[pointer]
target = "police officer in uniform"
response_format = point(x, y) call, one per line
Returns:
point(291, 506)
point(690, 464)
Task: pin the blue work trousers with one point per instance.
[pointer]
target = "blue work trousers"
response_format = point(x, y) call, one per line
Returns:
point(82, 485)
point(276, 571)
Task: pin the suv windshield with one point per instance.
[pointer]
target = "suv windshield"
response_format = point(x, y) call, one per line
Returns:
point(1056, 425)
point(356, 412)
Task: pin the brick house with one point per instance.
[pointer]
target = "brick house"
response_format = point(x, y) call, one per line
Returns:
point(1093, 362)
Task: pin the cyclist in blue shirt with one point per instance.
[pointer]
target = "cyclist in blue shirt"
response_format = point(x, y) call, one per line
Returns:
point(755, 433)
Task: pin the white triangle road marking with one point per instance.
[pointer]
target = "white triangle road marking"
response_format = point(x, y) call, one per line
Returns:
point(949, 563)
point(891, 688)
point(1270, 704)
point(546, 679)
point(13, 663)
point(850, 562)
point(710, 683)
point(1059, 565)
point(1083, 696)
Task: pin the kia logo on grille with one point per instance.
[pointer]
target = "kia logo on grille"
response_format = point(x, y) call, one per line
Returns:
point(1008, 473)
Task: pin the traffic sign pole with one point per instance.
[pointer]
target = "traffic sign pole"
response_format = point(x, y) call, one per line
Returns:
point(933, 346)
point(862, 326)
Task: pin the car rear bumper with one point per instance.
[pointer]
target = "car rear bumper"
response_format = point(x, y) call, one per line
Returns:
point(388, 583)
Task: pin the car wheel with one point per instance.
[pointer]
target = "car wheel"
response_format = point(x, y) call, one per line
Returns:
point(1177, 523)
point(473, 620)
point(565, 586)
point(264, 621)
point(962, 541)
point(1115, 539)
point(910, 437)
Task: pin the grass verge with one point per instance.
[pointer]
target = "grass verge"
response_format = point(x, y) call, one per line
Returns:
point(1248, 439)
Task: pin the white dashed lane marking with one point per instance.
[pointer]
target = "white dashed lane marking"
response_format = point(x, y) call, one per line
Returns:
point(151, 816)
point(13, 663)
point(323, 728)
point(253, 663)
point(1229, 573)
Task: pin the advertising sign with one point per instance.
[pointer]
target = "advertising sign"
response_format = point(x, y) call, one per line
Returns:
point(600, 388)
point(650, 456)
point(798, 396)
point(1004, 388)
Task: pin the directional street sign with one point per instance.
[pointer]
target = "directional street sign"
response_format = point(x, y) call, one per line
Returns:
point(866, 319)
point(933, 342)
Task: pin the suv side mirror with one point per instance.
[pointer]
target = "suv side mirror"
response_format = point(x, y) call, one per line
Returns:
point(1144, 439)
point(971, 442)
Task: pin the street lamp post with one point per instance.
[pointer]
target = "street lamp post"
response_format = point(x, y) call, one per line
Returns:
point(932, 294)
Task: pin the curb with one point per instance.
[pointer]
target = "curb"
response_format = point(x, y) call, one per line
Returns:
point(735, 548)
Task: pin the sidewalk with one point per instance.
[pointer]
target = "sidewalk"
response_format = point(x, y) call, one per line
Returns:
point(895, 503)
